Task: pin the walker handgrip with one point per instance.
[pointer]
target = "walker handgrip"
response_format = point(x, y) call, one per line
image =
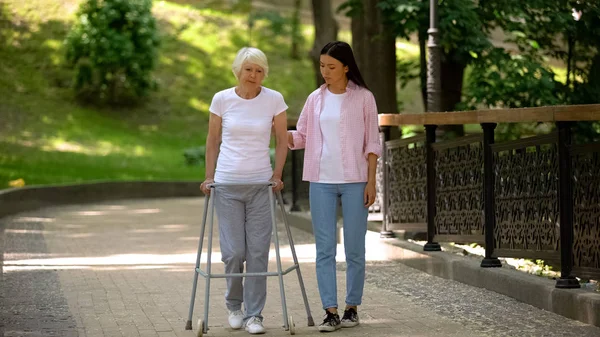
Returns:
point(268, 183)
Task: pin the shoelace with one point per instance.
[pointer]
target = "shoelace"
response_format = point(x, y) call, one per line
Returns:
point(252, 320)
point(349, 314)
point(329, 317)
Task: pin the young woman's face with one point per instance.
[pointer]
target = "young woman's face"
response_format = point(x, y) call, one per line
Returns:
point(333, 71)
point(251, 75)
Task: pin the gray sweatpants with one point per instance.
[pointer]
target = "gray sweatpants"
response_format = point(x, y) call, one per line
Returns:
point(245, 228)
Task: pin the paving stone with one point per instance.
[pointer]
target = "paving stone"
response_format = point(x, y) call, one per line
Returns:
point(125, 268)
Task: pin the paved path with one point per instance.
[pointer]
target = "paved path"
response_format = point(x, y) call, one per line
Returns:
point(125, 269)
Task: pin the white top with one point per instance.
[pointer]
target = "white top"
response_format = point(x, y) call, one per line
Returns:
point(246, 134)
point(331, 169)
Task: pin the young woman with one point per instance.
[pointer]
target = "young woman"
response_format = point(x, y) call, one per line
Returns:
point(338, 128)
point(239, 133)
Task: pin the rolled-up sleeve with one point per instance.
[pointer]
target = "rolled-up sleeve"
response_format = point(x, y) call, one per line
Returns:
point(299, 135)
point(372, 140)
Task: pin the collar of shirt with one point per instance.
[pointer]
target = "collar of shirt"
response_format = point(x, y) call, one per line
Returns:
point(349, 87)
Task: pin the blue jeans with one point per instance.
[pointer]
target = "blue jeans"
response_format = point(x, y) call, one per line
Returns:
point(323, 209)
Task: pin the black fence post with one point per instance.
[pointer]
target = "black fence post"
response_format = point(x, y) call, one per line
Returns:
point(430, 246)
point(385, 230)
point(565, 204)
point(489, 206)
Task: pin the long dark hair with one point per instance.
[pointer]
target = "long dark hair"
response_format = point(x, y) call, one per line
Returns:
point(342, 52)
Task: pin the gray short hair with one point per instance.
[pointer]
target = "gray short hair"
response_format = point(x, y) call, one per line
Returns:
point(250, 55)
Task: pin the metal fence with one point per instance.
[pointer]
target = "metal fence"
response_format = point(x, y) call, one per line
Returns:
point(542, 196)
point(536, 197)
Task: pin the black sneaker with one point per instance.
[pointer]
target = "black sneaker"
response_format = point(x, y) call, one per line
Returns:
point(350, 318)
point(330, 323)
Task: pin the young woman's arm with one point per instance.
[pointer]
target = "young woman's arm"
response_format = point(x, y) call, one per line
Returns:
point(297, 139)
point(372, 141)
point(372, 147)
point(370, 190)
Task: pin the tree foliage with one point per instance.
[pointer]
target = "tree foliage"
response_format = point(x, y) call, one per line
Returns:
point(113, 48)
point(326, 30)
point(509, 81)
point(564, 30)
point(542, 30)
point(539, 33)
point(462, 30)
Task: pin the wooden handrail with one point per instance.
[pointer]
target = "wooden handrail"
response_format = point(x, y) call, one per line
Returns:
point(559, 113)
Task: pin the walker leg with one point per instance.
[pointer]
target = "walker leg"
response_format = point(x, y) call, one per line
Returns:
point(279, 272)
point(311, 322)
point(208, 261)
point(188, 325)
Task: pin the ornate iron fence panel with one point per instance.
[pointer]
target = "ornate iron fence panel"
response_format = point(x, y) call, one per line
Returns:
point(526, 197)
point(586, 208)
point(459, 189)
point(407, 183)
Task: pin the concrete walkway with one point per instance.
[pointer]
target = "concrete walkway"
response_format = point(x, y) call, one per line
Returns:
point(125, 269)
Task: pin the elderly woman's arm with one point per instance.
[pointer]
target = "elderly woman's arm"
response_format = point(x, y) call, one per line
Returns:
point(213, 140)
point(281, 147)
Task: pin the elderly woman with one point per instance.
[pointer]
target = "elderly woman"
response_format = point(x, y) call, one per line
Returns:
point(239, 134)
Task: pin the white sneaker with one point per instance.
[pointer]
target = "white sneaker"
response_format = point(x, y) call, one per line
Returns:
point(236, 319)
point(254, 326)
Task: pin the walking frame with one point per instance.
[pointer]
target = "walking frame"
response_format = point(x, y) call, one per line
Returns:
point(288, 322)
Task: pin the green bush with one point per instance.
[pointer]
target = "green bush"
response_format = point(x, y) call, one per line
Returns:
point(113, 48)
point(195, 155)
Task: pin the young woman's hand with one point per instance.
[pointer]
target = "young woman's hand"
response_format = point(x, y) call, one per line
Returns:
point(204, 186)
point(290, 139)
point(370, 193)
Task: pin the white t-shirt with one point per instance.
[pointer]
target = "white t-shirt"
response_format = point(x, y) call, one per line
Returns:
point(331, 170)
point(246, 134)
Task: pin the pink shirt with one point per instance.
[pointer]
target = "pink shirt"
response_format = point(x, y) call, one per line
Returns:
point(359, 133)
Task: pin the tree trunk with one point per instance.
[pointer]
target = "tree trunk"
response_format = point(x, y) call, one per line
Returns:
point(374, 47)
point(570, 44)
point(452, 84)
point(452, 74)
point(296, 33)
point(326, 30)
point(593, 82)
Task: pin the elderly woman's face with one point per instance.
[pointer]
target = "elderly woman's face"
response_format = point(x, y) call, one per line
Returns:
point(251, 75)
point(333, 71)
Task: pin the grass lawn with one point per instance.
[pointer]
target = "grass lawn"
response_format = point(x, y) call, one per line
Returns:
point(47, 138)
